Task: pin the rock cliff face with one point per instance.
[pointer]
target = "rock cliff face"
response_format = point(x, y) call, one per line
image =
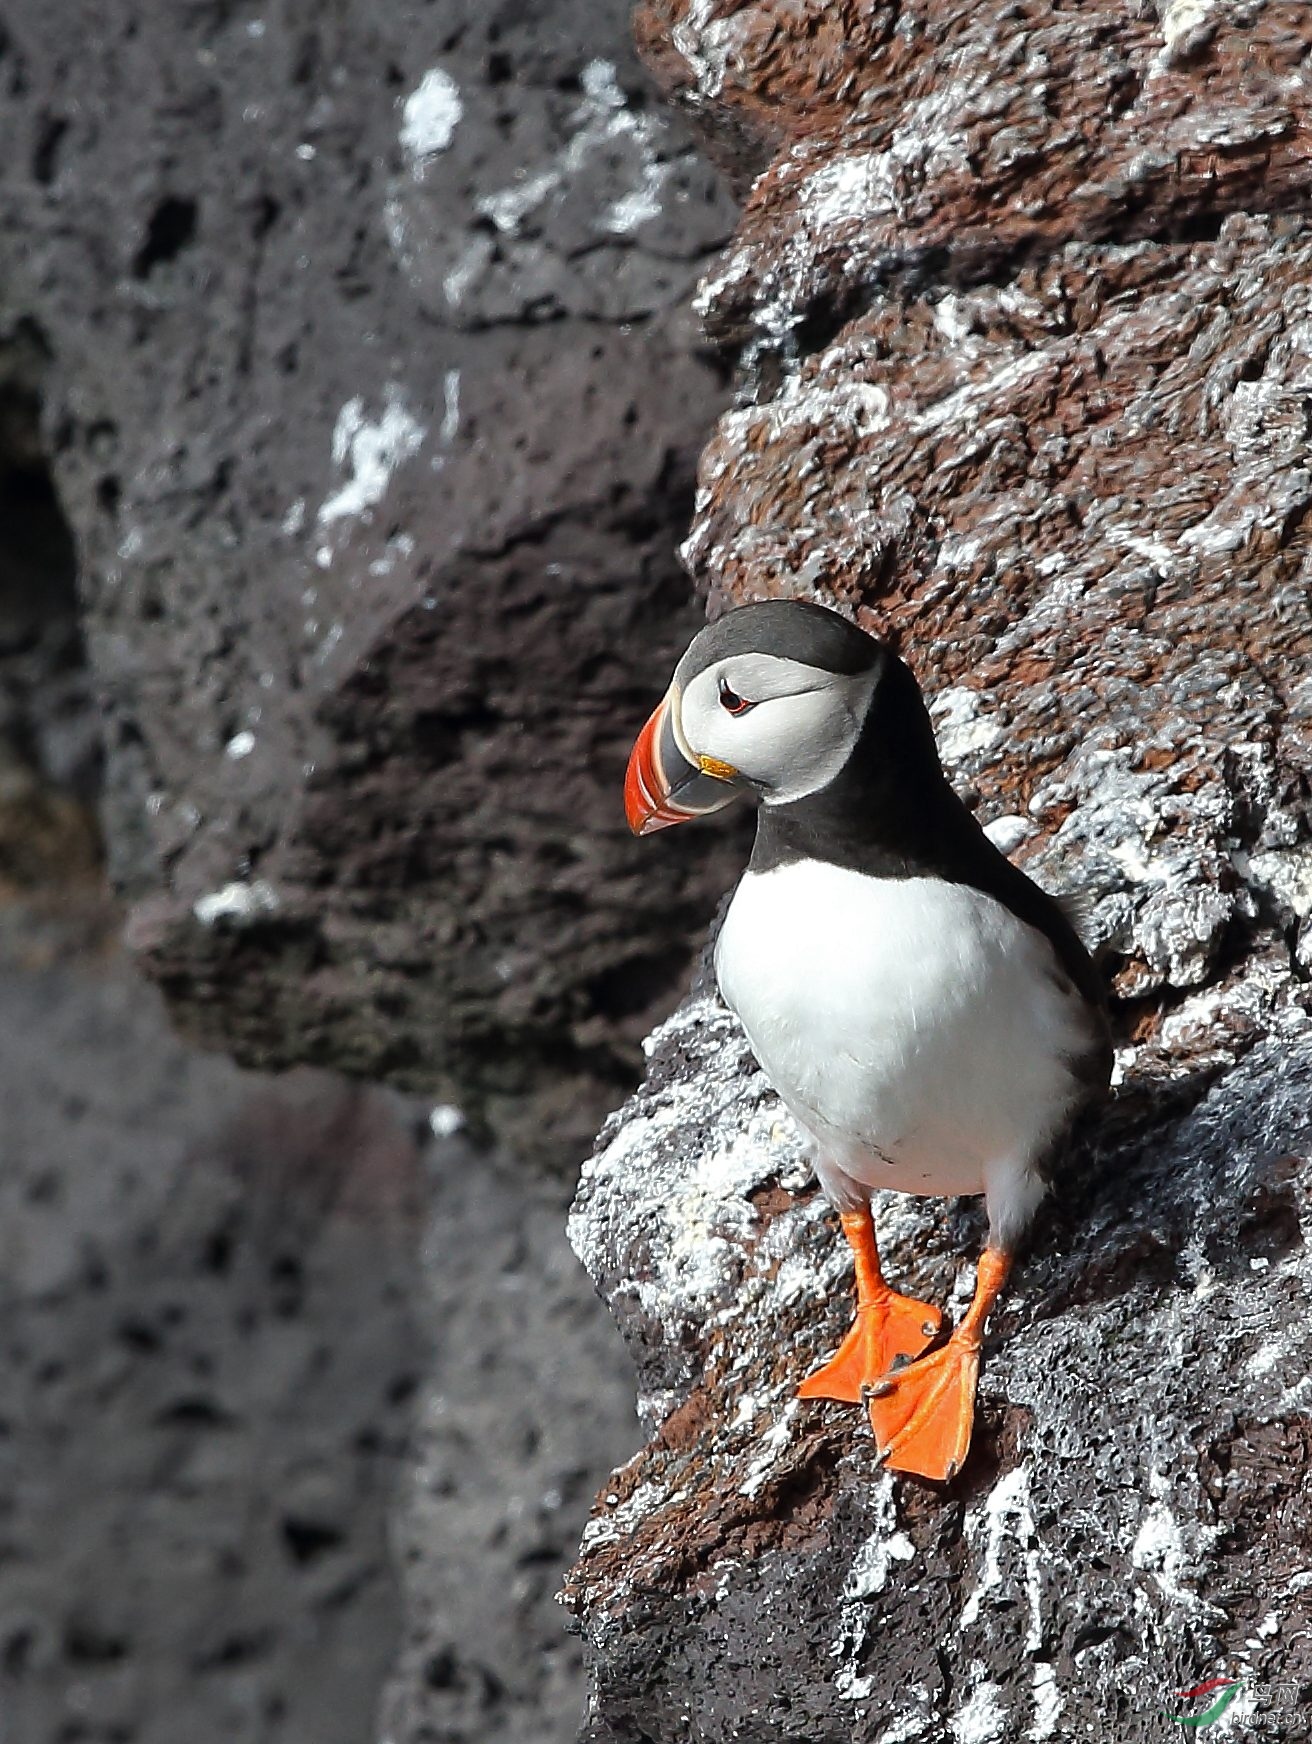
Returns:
point(211, 1352)
point(1021, 298)
point(377, 314)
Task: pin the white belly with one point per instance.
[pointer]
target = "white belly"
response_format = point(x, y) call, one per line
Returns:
point(916, 1028)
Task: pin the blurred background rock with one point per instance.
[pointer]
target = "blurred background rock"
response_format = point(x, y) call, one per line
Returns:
point(371, 392)
point(349, 408)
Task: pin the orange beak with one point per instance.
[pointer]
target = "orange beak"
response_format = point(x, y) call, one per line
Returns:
point(661, 786)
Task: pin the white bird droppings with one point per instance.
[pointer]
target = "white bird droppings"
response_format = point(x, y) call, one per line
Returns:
point(450, 405)
point(446, 1120)
point(605, 123)
point(429, 118)
point(237, 902)
point(1158, 1547)
point(873, 1563)
point(773, 1444)
point(1187, 26)
point(1047, 1704)
point(1007, 833)
point(961, 725)
point(373, 449)
point(982, 1719)
point(601, 85)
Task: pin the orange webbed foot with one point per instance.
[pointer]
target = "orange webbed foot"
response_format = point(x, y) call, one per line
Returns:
point(923, 1415)
point(887, 1327)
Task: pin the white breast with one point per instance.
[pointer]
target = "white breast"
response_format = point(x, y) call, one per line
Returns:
point(917, 1028)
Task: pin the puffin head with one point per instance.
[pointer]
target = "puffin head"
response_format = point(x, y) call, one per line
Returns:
point(768, 700)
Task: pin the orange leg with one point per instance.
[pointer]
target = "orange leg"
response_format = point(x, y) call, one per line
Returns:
point(923, 1414)
point(886, 1326)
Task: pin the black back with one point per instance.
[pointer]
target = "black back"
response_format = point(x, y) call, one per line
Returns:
point(891, 813)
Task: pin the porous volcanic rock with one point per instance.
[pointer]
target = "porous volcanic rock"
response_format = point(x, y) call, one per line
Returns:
point(1027, 356)
point(212, 1346)
point(372, 399)
point(302, 1407)
point(528, 1399)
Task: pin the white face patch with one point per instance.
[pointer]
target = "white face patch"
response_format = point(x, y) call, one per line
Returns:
point(795, 736)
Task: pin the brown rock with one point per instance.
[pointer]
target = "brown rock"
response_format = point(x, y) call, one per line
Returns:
point(1076, 496)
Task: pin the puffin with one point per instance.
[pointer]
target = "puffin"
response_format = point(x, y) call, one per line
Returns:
point(925, 1011)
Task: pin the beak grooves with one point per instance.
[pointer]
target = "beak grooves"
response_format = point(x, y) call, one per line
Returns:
point(661, 786)
point(646, 789)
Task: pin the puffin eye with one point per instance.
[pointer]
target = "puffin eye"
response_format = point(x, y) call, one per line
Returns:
point(732, 702)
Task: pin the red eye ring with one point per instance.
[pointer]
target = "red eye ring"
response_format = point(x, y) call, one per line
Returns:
point(731, 702)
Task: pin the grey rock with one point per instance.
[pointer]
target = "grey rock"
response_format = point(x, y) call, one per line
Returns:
point(372, 403)
point(300, 1411)
point(211, 1351)
point(527, 1400)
